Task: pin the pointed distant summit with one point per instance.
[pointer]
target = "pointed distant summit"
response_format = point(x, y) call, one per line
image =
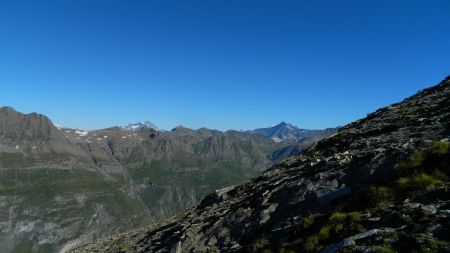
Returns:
point(286, 132)
point(282, 132)
point(140, 126)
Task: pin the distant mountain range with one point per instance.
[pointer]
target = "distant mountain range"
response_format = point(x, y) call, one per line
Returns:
point(282, 133)
point(292, 139)
point(62, 186)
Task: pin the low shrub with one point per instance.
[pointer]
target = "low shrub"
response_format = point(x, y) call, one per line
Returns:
point(424, 160)
point(259, 245)
point(334, 228)
point(308, 221)
point(376, 195)
point(438, 149)
point(416, 183)
point(384, 249)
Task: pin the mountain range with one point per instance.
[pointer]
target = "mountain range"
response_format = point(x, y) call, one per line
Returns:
point(380, 184)
point(62, 187)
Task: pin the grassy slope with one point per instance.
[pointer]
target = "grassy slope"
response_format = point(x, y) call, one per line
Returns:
point(181, 183)
point(53, 207)
point(41, 209)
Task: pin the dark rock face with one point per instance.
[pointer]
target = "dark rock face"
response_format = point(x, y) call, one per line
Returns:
point(33, 134)
point(18, 126)
point(275, 204)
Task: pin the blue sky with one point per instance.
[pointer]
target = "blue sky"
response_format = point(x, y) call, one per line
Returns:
point(222, 64)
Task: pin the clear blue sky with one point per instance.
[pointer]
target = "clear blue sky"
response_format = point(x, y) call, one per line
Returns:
point(221, 64)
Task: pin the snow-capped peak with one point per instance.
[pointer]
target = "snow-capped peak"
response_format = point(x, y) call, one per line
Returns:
point(141, 126)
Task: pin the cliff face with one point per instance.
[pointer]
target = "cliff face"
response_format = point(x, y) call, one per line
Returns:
point(380, 183)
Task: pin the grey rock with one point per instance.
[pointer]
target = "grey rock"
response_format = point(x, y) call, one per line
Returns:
point(325, 196)
point(349, 241)
point(431, 209)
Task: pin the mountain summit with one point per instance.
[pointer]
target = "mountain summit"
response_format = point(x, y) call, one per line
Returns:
point(288, 133)
point(18, 126)
point(140, 126)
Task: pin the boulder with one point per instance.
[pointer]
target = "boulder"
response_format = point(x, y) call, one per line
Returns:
point(325, 196)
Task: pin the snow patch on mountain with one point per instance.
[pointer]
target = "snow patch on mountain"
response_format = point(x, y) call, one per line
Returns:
point(140, 126)
point(81, 133)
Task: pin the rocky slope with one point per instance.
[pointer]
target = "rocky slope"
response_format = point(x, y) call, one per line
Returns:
point(379, 185)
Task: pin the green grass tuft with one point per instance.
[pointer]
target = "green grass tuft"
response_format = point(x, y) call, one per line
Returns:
point(416, 183)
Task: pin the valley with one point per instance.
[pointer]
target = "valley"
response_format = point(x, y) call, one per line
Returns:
point(62, 187)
